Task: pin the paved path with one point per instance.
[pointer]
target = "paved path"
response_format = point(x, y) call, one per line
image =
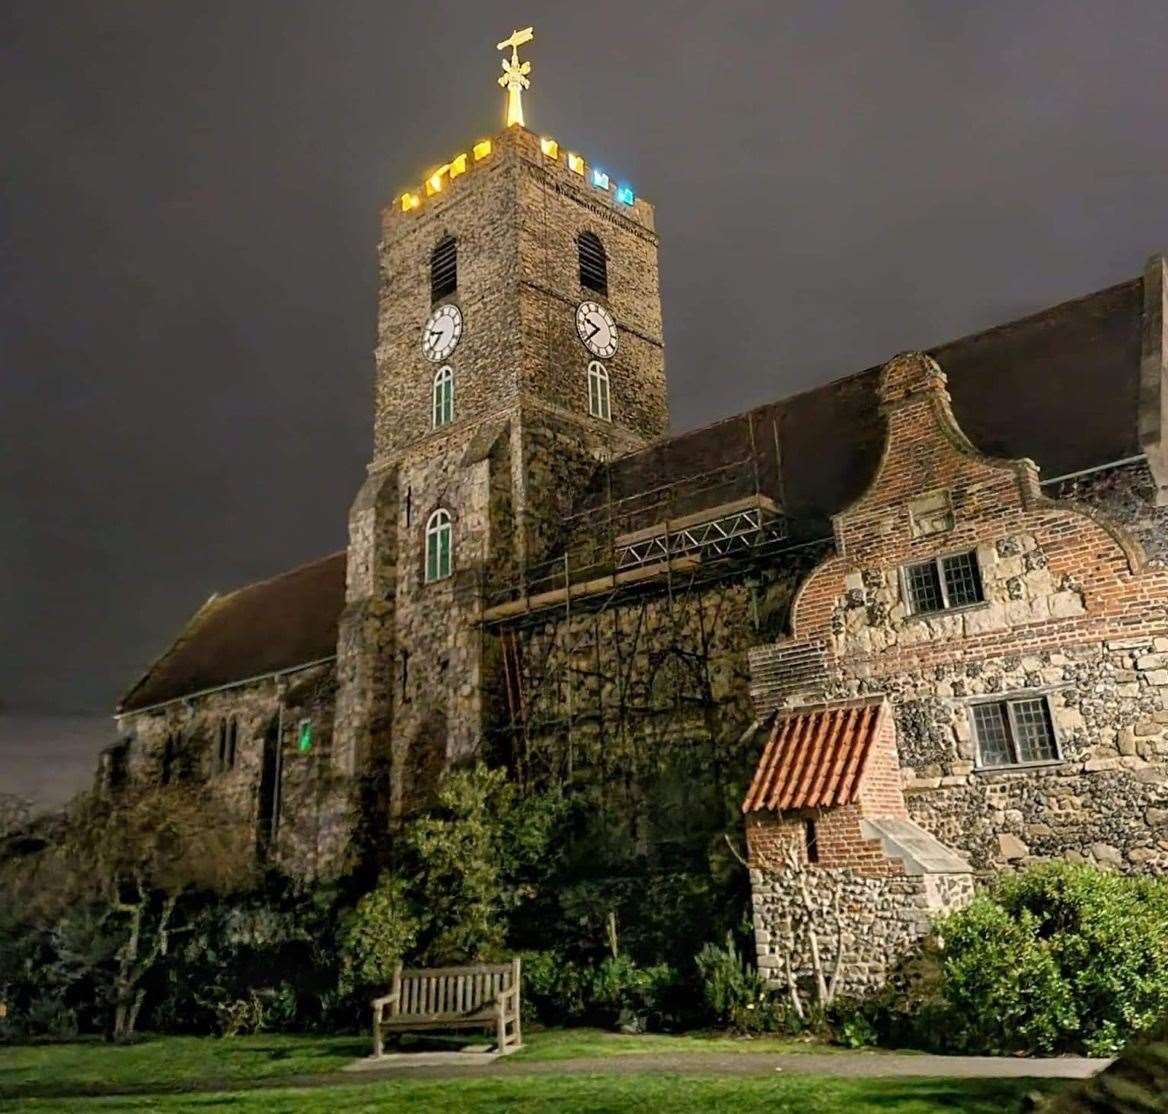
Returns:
point(455, 1065)
point(846, 1064)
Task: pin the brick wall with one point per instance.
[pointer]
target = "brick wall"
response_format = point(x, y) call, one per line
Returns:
point(1074, 611)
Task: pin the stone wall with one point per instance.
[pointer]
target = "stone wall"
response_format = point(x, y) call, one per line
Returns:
point(1127, 494)
point(1075, 611)
point(648, 698)
point(178, 743)
point(414, 669)
point(882, 920)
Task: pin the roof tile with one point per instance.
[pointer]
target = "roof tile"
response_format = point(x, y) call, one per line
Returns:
point(816, 757)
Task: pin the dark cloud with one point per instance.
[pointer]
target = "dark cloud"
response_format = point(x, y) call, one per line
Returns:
point(190, 220)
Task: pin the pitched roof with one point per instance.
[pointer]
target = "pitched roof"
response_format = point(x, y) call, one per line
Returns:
point(1060, 386)
point(815, 757)
point(262, 628)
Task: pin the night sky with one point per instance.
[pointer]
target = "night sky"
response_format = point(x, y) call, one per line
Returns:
point(189, 214)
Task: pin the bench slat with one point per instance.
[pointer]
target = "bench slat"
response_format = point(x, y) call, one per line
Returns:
point(470, 969)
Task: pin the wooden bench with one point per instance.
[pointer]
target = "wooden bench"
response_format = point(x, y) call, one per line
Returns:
point(480, 997)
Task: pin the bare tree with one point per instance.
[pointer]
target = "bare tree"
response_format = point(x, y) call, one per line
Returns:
point(136, 855)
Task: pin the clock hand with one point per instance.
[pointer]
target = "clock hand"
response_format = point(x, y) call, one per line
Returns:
point(595, 329)
point(435, 332)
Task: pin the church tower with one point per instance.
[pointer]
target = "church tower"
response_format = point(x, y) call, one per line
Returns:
point(519, 343)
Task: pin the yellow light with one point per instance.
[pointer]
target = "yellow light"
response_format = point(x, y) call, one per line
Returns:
point(482, 150)
point(458, 166)
point(434, 182)
point(549, 147)
point(576, 163)
point(410, 201)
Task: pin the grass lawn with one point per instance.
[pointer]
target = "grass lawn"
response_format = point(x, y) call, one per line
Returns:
point(72, 1077)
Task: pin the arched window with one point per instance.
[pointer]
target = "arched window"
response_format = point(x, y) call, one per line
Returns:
point(443, 269)
point(438, 546)
point(598, 391)
point(443, 400)
point(593, 263)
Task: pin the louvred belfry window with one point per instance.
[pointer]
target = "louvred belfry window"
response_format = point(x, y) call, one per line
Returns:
point(593, 263)
point(444, 269)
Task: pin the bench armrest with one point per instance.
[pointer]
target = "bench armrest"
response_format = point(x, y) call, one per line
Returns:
point(381, 1003)
point(503, 995)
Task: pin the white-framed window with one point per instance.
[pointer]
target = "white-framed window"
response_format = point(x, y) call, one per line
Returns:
point(1016, 731)
point(438, 545)
point(598, 390)
point(443, 397)
point(953, 580)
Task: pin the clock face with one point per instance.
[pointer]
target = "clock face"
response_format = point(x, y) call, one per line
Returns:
point(442, 332)
point(597, 329)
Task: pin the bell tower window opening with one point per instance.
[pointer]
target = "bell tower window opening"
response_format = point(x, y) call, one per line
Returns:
point(438, 546)
point(443, 269)
point(443, 397)
point(598, 404)
point(593, 263)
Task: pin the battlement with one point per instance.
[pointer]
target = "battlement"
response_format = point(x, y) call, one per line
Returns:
point(570, 169)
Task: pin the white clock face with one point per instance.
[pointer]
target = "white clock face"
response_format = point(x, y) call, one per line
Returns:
point(597, 329)
point(441, 333)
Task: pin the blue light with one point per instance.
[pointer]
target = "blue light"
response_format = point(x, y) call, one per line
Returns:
point(624, 194)
point(599, 178)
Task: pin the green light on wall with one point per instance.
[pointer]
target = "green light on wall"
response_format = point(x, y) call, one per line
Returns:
point(304, 737)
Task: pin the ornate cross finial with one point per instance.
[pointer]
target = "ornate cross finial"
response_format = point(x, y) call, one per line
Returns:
point(514, 78)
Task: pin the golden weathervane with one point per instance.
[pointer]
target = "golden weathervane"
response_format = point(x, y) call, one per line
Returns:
point(514, 78)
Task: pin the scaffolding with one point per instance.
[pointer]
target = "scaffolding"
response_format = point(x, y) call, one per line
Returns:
point(617, 634)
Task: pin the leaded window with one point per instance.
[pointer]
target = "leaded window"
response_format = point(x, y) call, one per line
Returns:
point(1014, 732)
point(443, 397)
point(950, 581)
point(438, 546)
point(593, 263)
point(598, 404)
point(443, 269)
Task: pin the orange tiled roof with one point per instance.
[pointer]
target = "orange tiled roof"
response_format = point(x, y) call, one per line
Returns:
point(815, 757)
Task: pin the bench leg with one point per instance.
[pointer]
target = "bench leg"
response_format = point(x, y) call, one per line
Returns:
point(377, 1044)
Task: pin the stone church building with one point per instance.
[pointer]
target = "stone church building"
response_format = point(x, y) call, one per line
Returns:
point(913, 622)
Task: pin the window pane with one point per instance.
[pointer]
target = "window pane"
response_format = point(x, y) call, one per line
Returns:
point(924, 587)
point(444, 551)
point(993, 734)
point(962, 579)
point(1034, 733)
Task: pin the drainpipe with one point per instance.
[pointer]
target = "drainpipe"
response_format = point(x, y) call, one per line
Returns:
point(277, 788)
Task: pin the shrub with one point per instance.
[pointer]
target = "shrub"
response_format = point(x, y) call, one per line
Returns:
point(476, 858)
point(620, 992)
point(555, 990)
point(728, 984)
point(376, 935)
point(1056, 958)
point(735, 995)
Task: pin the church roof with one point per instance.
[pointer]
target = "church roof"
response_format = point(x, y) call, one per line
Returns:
point(256, 630)
point(1060, 386)
point(816, 757)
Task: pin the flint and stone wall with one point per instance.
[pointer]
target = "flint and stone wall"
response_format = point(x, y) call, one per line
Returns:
point(882, 920)
point(178, 743)
point(1076, 610)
